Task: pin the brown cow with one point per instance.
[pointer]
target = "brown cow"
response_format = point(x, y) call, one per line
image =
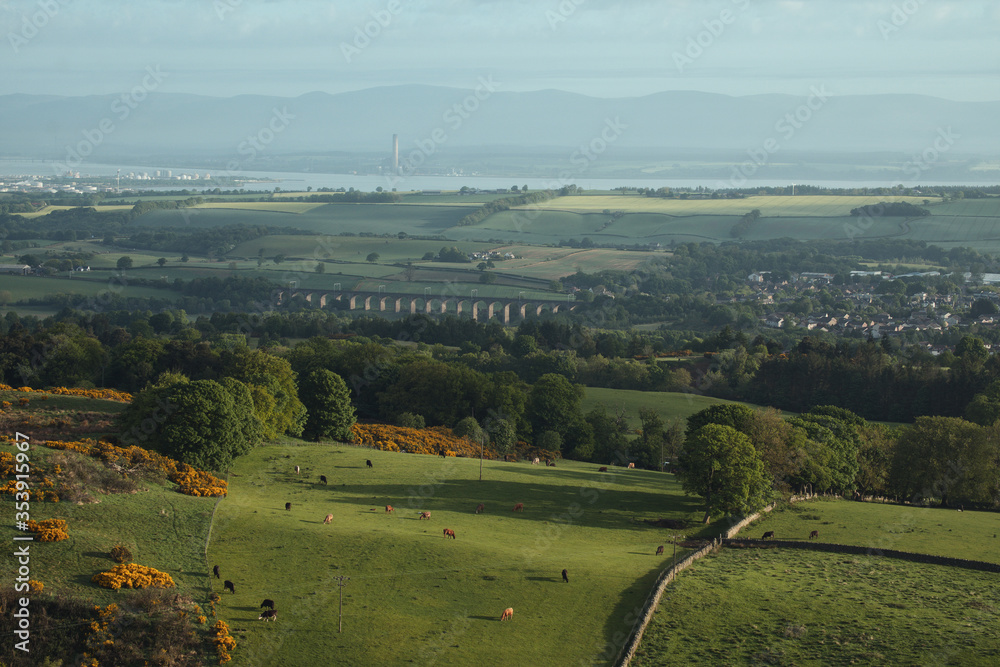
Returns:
point(448, 532)
point(813, 534)
point(518, 507)
point(659, 550)
point(296, 470)
point(768, 534)
point(508, 613)
point(602, 469)
point(389, 508)
point(481, 507)
point(631, 466)
point(328, 519)
point(424, 515)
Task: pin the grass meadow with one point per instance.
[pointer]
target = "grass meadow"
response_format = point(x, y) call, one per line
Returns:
point(928, 530)
point(783, 607)
point(670, 405)
point(416, 597)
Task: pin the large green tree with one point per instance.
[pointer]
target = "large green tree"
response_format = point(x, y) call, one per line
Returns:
point(204, 423)
point(721, 465)
point(276, 398)
point(328, 405)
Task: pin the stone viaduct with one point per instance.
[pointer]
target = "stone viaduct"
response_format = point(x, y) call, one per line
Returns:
point(479, 308)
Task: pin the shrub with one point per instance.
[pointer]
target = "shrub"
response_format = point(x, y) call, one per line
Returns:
point(410, 420)
point(132, 575)
point(121, 554)
point(50, 530)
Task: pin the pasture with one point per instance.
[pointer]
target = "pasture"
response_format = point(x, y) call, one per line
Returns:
point(784, 607)
point(34, 287)
point(928, 530)
point(769, 205)
point(271, 206)
point(414, 596)
point(669, 405)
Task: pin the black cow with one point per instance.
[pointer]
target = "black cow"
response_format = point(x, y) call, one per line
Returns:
point(566, 576)
point(442, 454)
point(659, 550)
point(322, 478)
point(268, 615)
point(768, 534)
point(215, 571)
point(369, 463)
point(269, 603)
point(229, 586)
point(288, 506)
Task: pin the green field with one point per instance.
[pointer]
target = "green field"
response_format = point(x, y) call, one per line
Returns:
point(784, 607)
point(33, 287)
point(670, 405)
point(769, 205)
point(928, 530)
point(414, 596)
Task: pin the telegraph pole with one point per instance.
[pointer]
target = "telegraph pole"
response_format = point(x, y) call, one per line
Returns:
point(341, 581)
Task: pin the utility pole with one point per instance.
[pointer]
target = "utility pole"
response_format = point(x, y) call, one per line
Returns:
point(342, 580)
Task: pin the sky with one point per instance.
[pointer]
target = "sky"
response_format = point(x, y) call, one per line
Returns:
point(944, 48)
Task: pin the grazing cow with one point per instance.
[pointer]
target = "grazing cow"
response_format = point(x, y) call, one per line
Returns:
point(566, 576)
point(813, 534)
point(480, 507)
point(424, 515)
point(288, 506)
point(659, 550)
point(442, 454)
point(328, 519)
point(268, 602)
point(448, 532)
point(322, 478)
point(296, 470)
point(551, 464)
point(369, 463)
point(215, 571)
point(768, 534)
point(602, 469)
point(508, 613)
point(536, 461)
point(268, 615)
point(229, 586)
point(388, 508)
point(631, 465)
point(518, 507)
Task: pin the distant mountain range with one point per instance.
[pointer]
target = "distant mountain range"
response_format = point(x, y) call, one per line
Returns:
point(435, 121)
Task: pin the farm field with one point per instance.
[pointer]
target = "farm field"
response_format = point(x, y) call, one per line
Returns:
point(774, 606)
point(769, 206)
point(416, 220)
point(45, 210)
point(928, 530)
point(670, 405)
point(272, 206)
point(414, 596)
point(32, 287)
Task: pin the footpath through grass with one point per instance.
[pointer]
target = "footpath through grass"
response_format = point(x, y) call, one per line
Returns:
point(416, 596)
point(783, 607)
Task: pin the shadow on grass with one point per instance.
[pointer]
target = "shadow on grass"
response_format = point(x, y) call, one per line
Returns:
point(553, 579)
point(597, 506)
point(102, 555)
point(486, 618)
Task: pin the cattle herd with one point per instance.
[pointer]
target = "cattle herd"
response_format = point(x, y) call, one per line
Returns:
point(269, 613)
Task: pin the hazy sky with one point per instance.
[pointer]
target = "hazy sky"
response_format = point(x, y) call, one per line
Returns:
point(946, 48)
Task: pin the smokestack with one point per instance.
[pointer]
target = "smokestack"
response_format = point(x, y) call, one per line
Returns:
point(395, 153)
